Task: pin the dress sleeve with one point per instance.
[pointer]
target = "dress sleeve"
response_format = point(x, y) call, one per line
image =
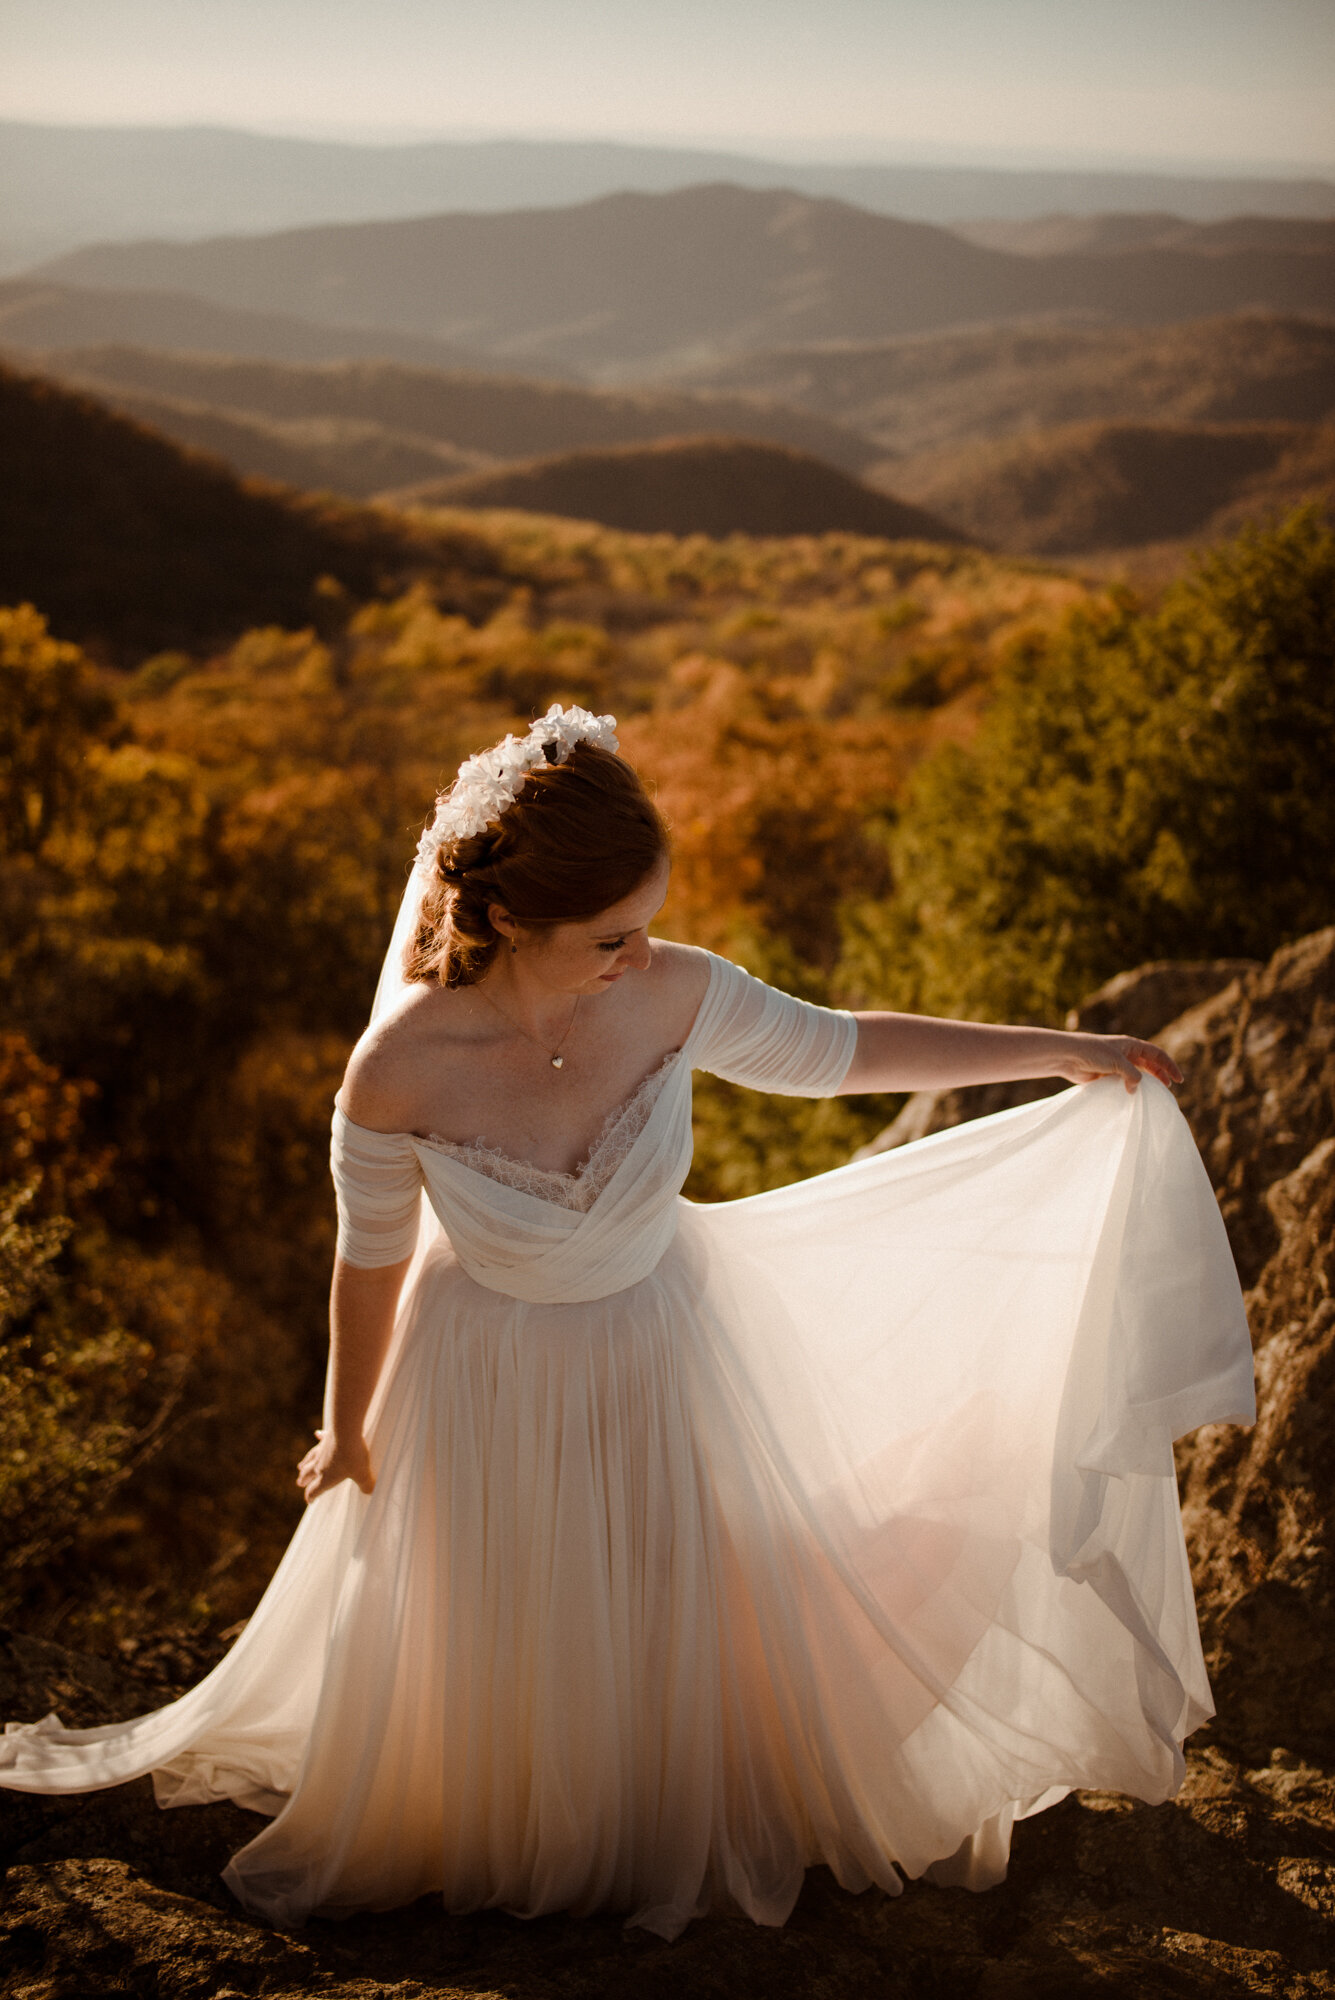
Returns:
point(378, 1183)
point(752, 1034)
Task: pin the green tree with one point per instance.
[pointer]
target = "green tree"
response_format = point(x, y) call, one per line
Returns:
point(1144, 785)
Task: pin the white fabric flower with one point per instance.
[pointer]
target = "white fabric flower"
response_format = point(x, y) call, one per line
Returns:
point(491, 781)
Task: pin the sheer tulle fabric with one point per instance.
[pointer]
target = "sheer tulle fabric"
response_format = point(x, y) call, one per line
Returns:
point(835, 1525)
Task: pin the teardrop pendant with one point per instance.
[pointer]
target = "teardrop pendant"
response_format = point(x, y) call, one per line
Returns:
point(558, 1062)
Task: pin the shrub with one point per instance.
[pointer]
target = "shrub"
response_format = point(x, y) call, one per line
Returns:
point(1145, 784)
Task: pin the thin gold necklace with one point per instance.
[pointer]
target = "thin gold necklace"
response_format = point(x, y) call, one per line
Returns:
point(554, 1056)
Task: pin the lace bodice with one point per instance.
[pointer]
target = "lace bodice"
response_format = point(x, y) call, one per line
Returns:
point(577, 1190)
point(557, 1237)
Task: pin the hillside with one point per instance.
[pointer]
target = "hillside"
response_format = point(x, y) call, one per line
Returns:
point(129, 543)
point(342, 455)
point(643, 280)
point(38, 314)
point(1110, 235)
point(1080, 488)
point(475, 417)
point(690, 486)
point(69, 185)
point(917, 394)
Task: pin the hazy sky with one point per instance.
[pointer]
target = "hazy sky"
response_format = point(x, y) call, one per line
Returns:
point(1187, 81)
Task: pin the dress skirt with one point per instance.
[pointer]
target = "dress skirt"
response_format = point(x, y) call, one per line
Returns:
point(846, 1535)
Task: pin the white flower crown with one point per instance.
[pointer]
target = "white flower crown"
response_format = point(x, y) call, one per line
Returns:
point(491, 781)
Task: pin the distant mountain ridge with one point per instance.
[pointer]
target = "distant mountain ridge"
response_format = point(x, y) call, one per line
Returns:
point(1042, 440)
point(360, 427)
point(34, 313)
point(1112, 234)
point(72, 185)
point(691, 486)
point(922, 393)
point(637, 282)
point(332, 455)
point(1078, 489)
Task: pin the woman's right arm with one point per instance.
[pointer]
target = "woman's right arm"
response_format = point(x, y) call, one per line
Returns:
point(362, 1304)
point(921, 1052)
point(378, 1182)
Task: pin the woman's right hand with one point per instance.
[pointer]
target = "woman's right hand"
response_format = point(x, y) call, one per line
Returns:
point(330, 1461)
point(1085, 1058)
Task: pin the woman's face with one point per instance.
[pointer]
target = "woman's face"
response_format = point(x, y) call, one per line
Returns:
point(591, 954)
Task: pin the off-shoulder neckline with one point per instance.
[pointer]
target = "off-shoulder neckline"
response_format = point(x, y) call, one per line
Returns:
point(416, 1139)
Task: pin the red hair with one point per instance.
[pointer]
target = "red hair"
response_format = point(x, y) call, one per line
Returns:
point(580, 836)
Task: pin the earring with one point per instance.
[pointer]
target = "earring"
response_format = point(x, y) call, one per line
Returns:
point(514, 949)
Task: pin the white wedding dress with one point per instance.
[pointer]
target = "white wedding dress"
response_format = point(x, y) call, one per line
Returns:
point(834, 1525)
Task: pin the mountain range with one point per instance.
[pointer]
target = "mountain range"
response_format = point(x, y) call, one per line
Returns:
point(71, 185)
point(722, 359)
point(926, 392)
point(1078, 489)
point(1109, 235)
point(359, 427)
point(38, 314)
point(631, 284)
point(132, 545)
point(1039, 440)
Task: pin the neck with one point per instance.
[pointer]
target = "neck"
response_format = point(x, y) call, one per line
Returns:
point(529, 1003)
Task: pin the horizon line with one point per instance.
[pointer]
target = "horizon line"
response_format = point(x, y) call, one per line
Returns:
point(928, 157)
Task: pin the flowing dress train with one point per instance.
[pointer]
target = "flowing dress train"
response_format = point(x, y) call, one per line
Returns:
point(834, 1525)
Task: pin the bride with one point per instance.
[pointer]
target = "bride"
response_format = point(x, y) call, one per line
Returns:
point(656, 1552)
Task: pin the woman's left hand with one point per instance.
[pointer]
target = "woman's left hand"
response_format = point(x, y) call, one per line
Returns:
point(1088, 1057)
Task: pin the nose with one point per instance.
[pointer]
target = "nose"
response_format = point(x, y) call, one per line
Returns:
point(636, 953)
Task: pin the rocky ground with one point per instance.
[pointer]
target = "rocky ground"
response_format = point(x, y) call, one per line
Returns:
point(1228, 1890)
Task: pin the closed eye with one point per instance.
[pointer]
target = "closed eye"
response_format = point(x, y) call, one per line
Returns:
point(615, 945)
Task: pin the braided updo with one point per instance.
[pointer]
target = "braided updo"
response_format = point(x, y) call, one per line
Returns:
point(579, 837)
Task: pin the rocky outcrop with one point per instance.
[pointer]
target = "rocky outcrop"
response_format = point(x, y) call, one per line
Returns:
point(1227, 1890)
point(1140, 1002)
point(1260, 1086)
point(1260, 1506)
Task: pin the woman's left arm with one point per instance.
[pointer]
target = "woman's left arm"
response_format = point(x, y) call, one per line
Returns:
point(917, 1052)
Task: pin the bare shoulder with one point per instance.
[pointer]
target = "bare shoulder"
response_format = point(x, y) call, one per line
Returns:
point(378, 1084)
point(680, 973)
